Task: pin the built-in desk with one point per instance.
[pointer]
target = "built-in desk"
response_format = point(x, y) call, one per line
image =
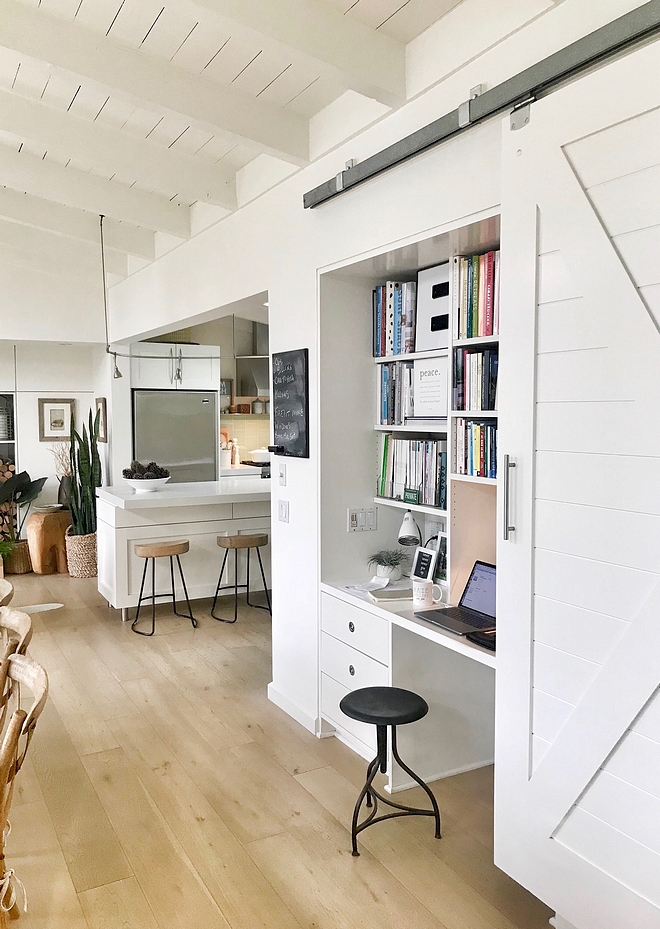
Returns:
point(364, 644)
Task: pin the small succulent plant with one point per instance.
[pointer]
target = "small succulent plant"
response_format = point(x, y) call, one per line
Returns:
point(388, 558)
point(140, 472)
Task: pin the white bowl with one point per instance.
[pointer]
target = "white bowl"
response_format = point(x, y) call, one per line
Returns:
point(147, 487)
point(260, 455)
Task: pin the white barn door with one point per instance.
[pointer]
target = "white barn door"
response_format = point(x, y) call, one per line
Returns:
point(578, 703)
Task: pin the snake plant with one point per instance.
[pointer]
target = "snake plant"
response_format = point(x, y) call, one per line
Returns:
point(85, 476)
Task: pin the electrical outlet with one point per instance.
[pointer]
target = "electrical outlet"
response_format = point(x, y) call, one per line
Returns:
point(283, 511)
point(361, 520)
point(282, 473)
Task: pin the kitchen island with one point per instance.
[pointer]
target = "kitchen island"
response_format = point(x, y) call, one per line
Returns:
point(199, 512)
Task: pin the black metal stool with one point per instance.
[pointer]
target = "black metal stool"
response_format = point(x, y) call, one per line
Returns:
point(383, 707)
point(153, 550)
point(236, 542)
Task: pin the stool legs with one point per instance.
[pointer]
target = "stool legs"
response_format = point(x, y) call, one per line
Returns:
point(372, 796)
point(153, 596)
point(236, 585)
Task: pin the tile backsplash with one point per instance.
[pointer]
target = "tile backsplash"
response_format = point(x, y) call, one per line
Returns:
point(251, 433)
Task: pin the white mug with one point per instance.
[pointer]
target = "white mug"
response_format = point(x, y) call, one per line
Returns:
point(423, 593)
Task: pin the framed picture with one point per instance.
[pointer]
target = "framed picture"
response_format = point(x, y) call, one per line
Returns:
point(101, 407)
point(55, 419)
point(226, 393)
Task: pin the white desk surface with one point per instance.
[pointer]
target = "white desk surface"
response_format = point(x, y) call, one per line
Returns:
point(227, 490)
point(401, 614)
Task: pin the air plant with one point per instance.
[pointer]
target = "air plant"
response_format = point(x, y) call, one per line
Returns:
point(388, 558)
point(85, 476)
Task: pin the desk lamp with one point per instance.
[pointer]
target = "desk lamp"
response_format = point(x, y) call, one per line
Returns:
point(409, 533)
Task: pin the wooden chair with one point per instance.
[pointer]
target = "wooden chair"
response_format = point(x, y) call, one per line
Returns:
point(6, 592)
point(19, 674)
point(17, 626)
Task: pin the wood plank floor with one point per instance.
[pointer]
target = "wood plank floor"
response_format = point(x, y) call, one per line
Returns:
point(163, 790)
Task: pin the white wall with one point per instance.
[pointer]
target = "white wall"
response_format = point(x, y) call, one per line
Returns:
point(273, 244)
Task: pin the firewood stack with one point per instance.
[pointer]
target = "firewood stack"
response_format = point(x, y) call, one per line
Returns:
point(7, 513)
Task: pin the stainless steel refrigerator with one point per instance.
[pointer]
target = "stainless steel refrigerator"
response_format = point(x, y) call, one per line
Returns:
point(178, 430)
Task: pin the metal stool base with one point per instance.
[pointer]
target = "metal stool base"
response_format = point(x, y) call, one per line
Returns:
point(372, 797)
point(154, 596)
point(235, 586)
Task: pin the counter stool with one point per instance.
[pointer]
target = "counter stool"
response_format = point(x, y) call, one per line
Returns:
point(383, 707)
point(235, 542)
point(153, 550)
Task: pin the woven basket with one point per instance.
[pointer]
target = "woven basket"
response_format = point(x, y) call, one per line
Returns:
point(18, 560)
point(81, 554)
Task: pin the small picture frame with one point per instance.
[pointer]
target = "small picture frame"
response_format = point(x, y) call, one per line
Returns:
point(55, 418)
point(423, 565)
point(102, 408)
point(226, 394)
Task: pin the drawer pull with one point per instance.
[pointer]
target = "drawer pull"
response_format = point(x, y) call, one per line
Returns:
point(351, 627)
point(351, 670)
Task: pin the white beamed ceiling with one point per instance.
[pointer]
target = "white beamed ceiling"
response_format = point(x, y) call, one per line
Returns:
point(142, 108)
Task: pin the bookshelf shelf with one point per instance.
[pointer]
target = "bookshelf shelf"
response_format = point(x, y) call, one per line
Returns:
point(475, 414)
point(472, 479)
point(477, 340)
point(415, 507)
point(440, 429)
point(412, 356)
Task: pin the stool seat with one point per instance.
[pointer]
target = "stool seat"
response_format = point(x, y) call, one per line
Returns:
point(161, 549)
point(242, 541)
point(384, 706)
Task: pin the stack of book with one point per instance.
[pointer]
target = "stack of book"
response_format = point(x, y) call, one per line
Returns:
point(396, 393)
point(476, 295)
point(394, 306)
point(474, 384)
point(476, 448)
point(413, 471)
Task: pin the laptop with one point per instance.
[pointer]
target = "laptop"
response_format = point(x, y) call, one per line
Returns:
point(476, 608)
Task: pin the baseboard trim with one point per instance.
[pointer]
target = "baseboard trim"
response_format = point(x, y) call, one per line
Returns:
point(438, 777)
point(292, 708)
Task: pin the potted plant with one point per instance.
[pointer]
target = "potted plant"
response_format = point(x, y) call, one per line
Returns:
point(388, 563)
point(85, 478)
point(6, 546)
point(20, 491)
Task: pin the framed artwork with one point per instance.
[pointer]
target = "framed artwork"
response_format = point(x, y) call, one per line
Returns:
point(55, 419)
point(226, 393)
point(101, 407)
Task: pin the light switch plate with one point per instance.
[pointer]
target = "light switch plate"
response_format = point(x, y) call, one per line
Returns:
point(361, 520)
point(281, 466)
point(283, 511)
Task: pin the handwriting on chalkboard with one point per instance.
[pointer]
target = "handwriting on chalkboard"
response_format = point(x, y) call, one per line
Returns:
point(291, 402)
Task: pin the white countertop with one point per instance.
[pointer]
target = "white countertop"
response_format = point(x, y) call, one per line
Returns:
point(227, 490)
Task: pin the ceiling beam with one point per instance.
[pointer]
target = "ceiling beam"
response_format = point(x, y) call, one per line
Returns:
point(70, 256)
point(345, 50)
point(77, 224)
point(142, 77)
point(112, 151)
point(52, 181)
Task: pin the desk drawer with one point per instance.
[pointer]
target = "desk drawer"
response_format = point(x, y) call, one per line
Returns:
point(331, 694)
point(362, 630)
point(350, 667)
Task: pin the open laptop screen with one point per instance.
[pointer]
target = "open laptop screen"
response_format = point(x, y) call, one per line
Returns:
point(479, 593)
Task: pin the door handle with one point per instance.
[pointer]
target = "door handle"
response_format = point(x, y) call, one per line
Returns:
point(507, 528)
point(170, 366)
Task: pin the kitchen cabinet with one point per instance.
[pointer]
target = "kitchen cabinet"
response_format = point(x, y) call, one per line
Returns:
point(164, 366)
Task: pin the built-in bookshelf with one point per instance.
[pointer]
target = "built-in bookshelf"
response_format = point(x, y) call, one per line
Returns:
point(7, 428)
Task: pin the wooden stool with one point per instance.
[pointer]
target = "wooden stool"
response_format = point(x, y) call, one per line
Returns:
point(236, 542)
point(153, 550)
point(45, 535)
point(383, 707)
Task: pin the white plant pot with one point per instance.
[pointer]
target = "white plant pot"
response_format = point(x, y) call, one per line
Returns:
point(383, 570)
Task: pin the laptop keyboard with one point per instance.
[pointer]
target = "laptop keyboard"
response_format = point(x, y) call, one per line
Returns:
point(471, 619)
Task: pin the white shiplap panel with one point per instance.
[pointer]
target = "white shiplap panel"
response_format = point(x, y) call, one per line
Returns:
point(637, 761)
point(288, 85)
point(556, 282)
point(564, 326)
point(66, 9)
point(628, 861)
point(651, 296)
point(134, 21)
point(640, 251)
point(550, 715)
point(621, 149)
point(588, 374)
point(562, 675)
point(98, 14)
point(236, 56)
point(627, 808)
point(171, 30)
point(263, 71)
point(620, 482)
point(577, 631)
point(199, 49)
point(630, 202)
point(612, 428)
point(613, 536)
point(592, 585)
point(648, 723)
point(539, 748)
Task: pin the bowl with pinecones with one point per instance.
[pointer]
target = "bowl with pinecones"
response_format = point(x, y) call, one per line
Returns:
point(145, 479)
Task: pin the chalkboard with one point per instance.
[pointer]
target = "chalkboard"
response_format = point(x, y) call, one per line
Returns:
point(291, 403)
